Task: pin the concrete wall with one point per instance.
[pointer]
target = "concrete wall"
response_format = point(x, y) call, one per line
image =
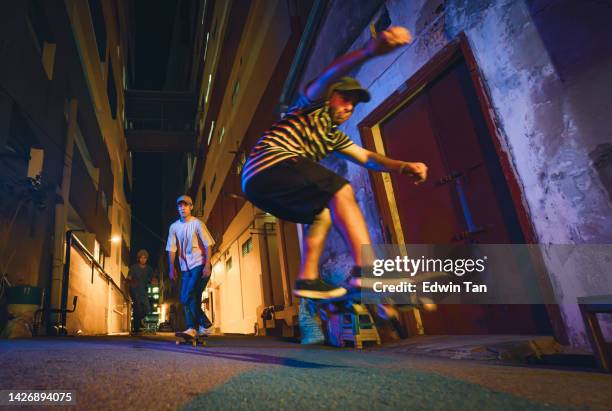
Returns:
point(548, 69)
point(238, 289)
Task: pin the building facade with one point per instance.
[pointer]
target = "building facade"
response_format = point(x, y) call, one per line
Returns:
point(482, 88)
point(62, 82)
point(249, 51)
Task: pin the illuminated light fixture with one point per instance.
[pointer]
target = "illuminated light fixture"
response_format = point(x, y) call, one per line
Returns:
point(115, 239)
point(208, 88)
point(155, 289)
point(206, 47)
point(210, 133)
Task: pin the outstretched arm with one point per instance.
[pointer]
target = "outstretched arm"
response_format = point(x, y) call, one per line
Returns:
point(378, 162)
point(386, 41)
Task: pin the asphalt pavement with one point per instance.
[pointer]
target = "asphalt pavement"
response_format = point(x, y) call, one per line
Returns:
point(152, 373)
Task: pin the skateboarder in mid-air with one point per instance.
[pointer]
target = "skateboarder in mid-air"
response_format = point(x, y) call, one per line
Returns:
point(189, 239)
point(283, 177)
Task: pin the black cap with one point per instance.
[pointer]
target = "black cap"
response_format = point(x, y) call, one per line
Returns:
point(350, 84)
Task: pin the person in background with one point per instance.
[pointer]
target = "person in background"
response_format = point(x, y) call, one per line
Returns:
point(139, 277)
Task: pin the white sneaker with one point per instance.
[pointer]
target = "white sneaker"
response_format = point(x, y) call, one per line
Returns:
point(190, 331)
point(205, 331)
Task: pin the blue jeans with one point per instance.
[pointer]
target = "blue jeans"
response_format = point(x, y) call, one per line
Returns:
point(192, 286)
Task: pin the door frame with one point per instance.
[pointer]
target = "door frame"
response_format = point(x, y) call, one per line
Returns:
point(369, 130)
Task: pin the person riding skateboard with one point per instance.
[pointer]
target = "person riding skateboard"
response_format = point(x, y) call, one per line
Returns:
point(188, 238)
point(139, 276)
point(282, 175)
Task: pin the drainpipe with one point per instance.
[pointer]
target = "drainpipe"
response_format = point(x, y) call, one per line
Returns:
point(297, 66)
point(65, 277)
point(53, 295)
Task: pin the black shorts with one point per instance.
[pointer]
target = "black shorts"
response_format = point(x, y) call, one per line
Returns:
point(296, 189)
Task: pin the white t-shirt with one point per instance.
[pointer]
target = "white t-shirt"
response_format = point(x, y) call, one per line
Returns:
point(189, 240)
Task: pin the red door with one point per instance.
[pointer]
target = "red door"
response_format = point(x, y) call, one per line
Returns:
point(465, 199)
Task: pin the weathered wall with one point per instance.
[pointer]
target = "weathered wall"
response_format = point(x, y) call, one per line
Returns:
point(548, 69)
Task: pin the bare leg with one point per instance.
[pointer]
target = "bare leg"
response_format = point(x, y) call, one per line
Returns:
point(313, 245)
point(348, 218)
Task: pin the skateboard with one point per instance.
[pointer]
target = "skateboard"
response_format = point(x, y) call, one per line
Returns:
point(182, 338)
point(343, 304)
point(347, 304)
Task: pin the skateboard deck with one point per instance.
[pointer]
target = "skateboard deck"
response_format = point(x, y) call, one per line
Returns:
point(336, 305)
point(345, 303)
point(182, 338)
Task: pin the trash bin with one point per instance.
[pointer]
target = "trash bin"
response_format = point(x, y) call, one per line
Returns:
point(22, 303)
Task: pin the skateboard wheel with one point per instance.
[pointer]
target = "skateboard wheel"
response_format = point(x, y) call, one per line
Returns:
point(177, 342)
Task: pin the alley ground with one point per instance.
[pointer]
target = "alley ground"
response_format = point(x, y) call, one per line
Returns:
point(152, 373)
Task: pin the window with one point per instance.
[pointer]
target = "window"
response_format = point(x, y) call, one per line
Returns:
point(247, 246)
point(97, 19)
point(111, 90)
point(228, 264)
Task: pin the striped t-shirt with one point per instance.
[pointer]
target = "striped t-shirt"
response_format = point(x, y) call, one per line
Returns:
point(307, 130)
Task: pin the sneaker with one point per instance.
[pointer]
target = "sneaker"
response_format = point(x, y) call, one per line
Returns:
point(190, 331)
point(317, 289)
point(310, 325)
point(205, 331)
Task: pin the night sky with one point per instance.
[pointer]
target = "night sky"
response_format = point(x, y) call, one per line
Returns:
point(153, 33)
point(147, 206)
